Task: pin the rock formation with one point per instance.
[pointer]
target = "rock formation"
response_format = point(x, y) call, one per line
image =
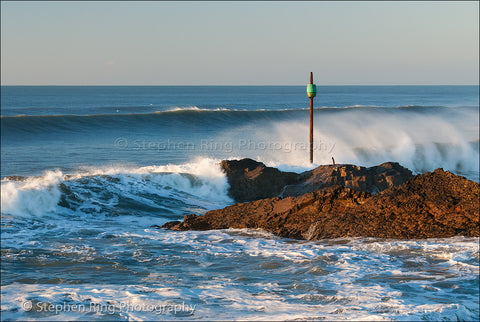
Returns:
point(251, 180)
point(372, 180)
point(435, 204)
point(290, 217)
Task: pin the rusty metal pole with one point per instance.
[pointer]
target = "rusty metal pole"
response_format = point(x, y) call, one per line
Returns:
point(311, 93)
point(311, 121)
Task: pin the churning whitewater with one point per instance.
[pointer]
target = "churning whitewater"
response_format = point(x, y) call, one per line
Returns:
point(87, 173)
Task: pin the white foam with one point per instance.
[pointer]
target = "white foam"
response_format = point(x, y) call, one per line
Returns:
point(34, 196)
point(200, 182)
point(192, 108)
point(364, 279)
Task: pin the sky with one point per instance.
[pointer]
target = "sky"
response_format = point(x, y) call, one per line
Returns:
point(239, 43)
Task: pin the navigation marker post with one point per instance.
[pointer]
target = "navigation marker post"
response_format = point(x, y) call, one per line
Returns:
point(311, 93)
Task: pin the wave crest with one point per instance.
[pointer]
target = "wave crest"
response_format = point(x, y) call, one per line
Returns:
point(163, 190)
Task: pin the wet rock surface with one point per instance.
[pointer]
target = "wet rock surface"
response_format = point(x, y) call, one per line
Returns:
point(372, 180)
point(435, 204)
point(251, 180)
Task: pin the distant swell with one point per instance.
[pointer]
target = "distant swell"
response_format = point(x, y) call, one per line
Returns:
point(195, 109)
point(40, 123)
point(421, 138)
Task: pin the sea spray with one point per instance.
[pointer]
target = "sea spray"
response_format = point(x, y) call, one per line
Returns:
point(33, 196)
point(103, 189)
point(421, 142)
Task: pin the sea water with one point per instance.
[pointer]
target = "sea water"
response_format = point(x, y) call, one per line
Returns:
point(97, 167)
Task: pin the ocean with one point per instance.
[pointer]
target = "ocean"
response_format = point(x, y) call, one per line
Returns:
point(88, 170)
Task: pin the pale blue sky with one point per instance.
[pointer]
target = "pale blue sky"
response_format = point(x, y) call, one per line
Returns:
point(239, 43)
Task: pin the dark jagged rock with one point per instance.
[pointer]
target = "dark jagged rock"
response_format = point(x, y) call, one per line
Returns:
point(435, 204)
point(372, 180)
point(251, 180)
point(290, 217)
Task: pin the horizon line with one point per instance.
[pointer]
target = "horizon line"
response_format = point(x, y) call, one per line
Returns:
point(245, 85)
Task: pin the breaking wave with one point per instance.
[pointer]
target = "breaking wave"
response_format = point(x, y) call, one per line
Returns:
point(161, 191)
